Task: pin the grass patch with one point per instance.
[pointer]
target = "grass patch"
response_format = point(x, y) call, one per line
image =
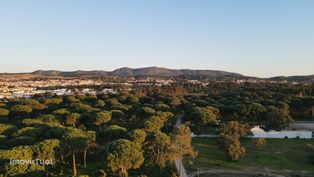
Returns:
point(278, 155)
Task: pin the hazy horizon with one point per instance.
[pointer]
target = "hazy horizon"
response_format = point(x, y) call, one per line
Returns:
point(254, 38)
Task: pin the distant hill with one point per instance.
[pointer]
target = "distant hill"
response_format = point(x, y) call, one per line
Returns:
point(162, 72)
point(309, 78)
point(46, 73)
point(69, 73)
point(157, 71)
point(148, 71)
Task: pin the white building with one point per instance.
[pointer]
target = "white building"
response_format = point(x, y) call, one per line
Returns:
point(108, 90)
point(260, 133)
point(62, 92)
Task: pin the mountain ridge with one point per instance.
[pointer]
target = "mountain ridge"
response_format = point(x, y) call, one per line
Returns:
point(145, 71)
point(163, 72)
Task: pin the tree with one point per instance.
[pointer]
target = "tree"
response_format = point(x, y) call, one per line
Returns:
point(99, 103)
point(231, 133)
point(122, 96)
point(48, 118)
point(2, 104)
point(277, 120)
point(33, 132)
point(89, 143)
point(138, 136)
point(131, 99)
point(101, 118)
point(250, 111)
point(82, 108)
point(61, 112)
point(117, 114)
point(72, 118)
point(31, 122)
point(34, 104)
point(46, 150)
point(7, 129)
point(205, 115)
point(155, 123)
point(113, 132)
point(101, 173)
point(112, 102)
point(122, 155)
point(71, 99)
point(182, 141)
point(3, 139)
point(120, 107)
point(233, 148)
point(175, 101)
point(4, 112)
point(147, 111)
point(159, 150)
point(260, 143)
point(19, 152)
point(162, 107)
point(20, 110)
point(234, 129)
point(53, 101)
point(73, 141)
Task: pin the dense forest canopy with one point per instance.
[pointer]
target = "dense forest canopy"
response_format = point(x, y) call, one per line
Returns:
point(132, 133)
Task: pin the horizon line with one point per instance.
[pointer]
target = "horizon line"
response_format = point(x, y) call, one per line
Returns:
point(160, 67)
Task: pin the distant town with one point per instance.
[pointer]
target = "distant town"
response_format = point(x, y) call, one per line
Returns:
point(15, 85)
point(27, 88)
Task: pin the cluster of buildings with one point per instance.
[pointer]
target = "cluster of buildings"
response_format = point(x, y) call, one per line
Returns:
point(12, 87)
point(28, 88)
point(83, 91)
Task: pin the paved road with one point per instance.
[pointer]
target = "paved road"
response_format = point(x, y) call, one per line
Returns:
point(181, 168)
point(234, 172)
point(303, 125)
point(205, 136)
point(179, 164)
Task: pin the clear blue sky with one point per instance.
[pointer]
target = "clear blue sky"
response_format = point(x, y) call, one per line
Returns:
point(252, 37)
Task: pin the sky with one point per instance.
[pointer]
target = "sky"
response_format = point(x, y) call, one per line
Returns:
point(253, 37)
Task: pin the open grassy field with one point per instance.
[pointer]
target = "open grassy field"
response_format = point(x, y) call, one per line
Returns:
point(279, 155)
